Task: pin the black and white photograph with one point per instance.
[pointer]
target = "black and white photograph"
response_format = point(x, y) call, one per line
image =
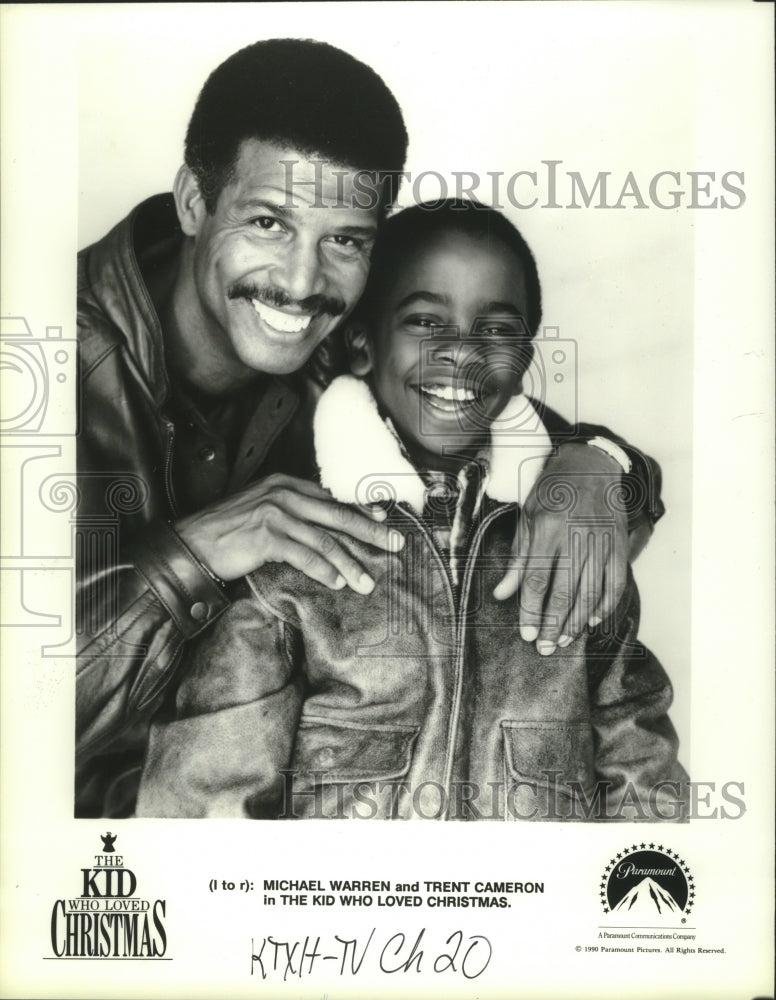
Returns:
point(389, 440)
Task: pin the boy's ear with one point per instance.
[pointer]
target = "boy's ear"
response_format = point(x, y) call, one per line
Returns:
point(189, 203)
point(359, 347)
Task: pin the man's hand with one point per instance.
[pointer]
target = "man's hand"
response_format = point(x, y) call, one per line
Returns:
point(283, 519)
point(570, 552)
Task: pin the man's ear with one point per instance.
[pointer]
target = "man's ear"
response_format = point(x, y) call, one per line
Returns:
point(359, 347)
point(189, 202)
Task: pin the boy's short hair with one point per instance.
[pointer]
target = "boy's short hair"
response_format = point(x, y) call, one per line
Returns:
point(307, 95)
point(449, 215)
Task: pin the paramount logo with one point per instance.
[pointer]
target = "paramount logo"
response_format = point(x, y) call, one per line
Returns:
point(646, 883)
point(646, 897)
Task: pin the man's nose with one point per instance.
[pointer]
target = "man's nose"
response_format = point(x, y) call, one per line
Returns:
point(300, 273)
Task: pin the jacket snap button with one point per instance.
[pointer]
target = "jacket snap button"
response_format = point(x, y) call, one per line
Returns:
point(207, 454)
point(326, 757)
point(198, 611)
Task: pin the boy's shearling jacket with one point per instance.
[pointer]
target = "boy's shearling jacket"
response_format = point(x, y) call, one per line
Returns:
point(419, 701)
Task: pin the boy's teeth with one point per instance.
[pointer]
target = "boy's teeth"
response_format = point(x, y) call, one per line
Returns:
point(449, 392)
point(280, 321)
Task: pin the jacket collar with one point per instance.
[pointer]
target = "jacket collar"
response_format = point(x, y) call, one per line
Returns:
point(116, 283)
point(361, 459)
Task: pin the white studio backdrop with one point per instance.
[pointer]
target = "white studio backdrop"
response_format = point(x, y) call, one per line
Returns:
point(484, 88)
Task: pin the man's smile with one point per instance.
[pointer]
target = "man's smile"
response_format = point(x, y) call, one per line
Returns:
point(281, 322)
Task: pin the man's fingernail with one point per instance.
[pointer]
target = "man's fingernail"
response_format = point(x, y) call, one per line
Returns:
point(595, 620)
point(565, 640)
point(340, 582)
point(545, 647)
point(529, 632)
point(365, 584)
point(378, 513)
point(396, 541)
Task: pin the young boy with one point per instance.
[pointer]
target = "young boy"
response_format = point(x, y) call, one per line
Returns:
point(421, 701)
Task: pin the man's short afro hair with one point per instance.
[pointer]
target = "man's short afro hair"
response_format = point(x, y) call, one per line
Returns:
point(303, 94)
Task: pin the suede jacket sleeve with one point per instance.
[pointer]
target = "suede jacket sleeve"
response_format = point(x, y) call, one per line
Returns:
point(237, 711)
point(638, 773)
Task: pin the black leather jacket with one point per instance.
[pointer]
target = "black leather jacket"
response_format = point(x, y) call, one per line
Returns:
point(141, 593)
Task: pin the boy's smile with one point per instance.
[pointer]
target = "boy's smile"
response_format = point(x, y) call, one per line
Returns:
point(449, 345)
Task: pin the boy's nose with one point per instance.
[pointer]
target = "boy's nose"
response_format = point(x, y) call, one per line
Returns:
point(453, 351)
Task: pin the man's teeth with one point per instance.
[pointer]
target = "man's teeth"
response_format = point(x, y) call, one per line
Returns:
point(280, 321)
point(449, 392)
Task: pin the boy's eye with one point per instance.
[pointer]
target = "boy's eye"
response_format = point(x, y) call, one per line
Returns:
point(495, 330)
point(431, 323)
point(500, 328)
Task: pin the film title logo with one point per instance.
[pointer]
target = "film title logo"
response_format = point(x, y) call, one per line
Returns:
point(108, 919)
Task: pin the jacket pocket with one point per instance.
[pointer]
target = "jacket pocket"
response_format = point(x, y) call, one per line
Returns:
point(549, 770)
point(343, 769)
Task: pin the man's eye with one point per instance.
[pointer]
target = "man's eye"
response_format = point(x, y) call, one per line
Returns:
point(267, 223)
point(347, 246)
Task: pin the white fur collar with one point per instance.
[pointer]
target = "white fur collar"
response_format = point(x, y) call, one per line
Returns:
point(361, 460)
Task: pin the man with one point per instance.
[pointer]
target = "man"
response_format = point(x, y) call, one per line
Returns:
point(197, 317)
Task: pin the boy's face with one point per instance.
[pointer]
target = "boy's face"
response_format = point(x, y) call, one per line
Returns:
point(449, 345)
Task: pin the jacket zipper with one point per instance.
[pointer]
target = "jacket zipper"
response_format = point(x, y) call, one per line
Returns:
point(463, 600)
point(458, 607)
point(173, 507)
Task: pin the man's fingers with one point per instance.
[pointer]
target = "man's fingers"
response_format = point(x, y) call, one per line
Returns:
point(321, 545)
point(335, 516)
point(615, 579)
point(533, 592)
point(311, 564)
point(510, 582)
point(587, 595)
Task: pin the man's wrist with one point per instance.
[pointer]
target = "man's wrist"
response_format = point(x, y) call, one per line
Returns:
point(612, 450)
point(585, 459)
point(185, 586)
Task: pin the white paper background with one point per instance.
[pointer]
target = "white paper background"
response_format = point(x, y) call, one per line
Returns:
point(672, 314)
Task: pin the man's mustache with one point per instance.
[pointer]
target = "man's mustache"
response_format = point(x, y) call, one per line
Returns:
point(313, 305)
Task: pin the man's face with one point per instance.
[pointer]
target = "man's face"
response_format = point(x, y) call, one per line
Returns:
point(450, 346)
point(282, 260)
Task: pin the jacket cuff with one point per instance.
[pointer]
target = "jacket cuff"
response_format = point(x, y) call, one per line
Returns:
point(645, 485)
point(182, 583)
point(642, 486)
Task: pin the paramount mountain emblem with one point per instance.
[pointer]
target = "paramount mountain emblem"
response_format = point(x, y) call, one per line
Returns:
point(646, 883)
point(646, 897)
